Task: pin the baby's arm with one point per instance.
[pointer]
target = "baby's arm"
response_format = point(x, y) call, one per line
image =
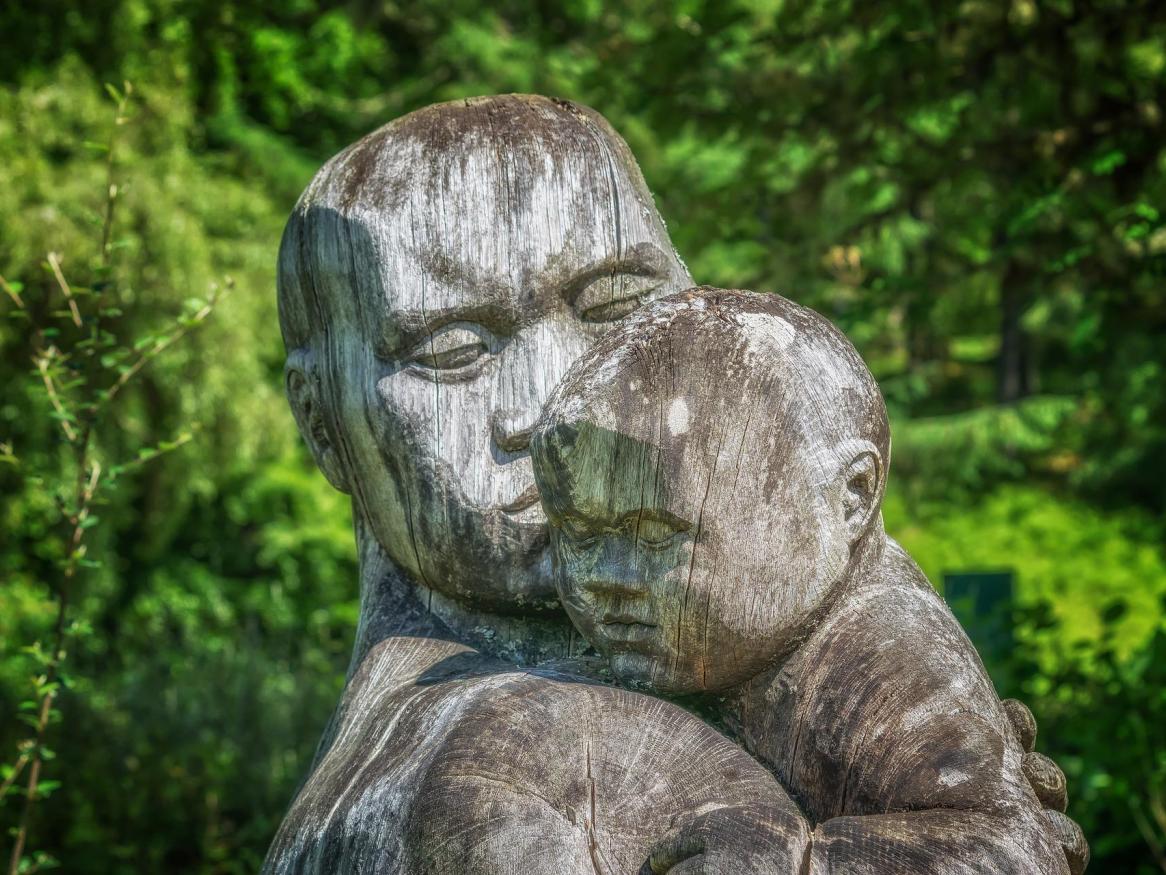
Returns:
point(886, 728)
point(937, 842)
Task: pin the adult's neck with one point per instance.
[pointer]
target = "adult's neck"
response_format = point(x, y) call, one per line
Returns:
point(394, 604)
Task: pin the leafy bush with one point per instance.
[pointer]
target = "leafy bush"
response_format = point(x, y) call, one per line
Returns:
point(971, 191)
point(209, 644)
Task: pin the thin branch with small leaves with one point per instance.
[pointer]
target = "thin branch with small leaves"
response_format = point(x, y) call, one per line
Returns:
point(161, 345)
point(80, 386)
point(43, 364)
point(11, 292)
point(54, 260)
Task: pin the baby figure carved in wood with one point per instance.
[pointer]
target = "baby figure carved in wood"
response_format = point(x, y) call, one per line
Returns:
point(713, 471)
point(436, 280)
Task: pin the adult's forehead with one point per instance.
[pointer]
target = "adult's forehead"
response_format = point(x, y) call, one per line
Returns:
point(506, 217)
point(465, 201)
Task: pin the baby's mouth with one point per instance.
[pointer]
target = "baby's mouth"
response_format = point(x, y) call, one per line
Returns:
point(622, 627)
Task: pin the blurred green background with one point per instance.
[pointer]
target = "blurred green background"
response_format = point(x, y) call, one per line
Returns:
point(972, 190)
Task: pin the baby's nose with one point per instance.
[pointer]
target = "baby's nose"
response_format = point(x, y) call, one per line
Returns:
point(615, 581)
point(613, 588)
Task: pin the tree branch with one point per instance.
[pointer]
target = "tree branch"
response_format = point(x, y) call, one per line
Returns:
point(55, 264)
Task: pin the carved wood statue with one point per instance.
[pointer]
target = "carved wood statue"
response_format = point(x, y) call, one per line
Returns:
point(436, 281)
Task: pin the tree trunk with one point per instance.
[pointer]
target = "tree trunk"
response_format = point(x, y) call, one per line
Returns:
point(1012, 382)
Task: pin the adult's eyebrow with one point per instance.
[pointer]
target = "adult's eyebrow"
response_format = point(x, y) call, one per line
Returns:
point(403, 328)
point(658, 515)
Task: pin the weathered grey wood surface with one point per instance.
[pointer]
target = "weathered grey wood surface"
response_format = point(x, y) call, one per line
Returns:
point(713, 471)
point(471, 767)
point(436, 281)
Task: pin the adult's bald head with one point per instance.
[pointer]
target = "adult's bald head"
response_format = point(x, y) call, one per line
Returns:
point(491, 199)
point(436, 279)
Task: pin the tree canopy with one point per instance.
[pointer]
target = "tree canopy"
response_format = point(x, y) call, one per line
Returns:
point(973, 191)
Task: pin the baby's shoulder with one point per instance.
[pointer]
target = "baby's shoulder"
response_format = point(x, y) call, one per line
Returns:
point(894, 615)
point(890, 701)
point(890, 651)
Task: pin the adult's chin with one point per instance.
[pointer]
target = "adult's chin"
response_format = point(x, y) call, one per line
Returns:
point(489, 560)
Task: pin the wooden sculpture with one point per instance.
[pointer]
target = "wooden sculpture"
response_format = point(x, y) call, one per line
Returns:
point(713, 471)
point(436, 281)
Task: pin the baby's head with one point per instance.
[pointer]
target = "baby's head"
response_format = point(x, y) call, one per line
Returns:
point(709, 468)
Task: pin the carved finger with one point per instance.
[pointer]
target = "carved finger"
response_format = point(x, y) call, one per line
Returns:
point(1047, 780)
point(673, 850)
point(1023, 723)
point(1072, 840)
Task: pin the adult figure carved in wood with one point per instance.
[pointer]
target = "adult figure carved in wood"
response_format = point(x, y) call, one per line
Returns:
point(436, 279)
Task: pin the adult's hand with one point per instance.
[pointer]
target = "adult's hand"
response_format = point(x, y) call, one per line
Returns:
point(1048, 781)
point(757, 837)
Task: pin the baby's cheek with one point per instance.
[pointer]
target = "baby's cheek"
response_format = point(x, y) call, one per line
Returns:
point(708, 618)
point(747, 609)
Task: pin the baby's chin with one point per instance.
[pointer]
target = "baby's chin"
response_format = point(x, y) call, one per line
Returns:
point(650, 673)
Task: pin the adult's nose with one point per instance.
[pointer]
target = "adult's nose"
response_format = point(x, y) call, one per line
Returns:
point(511, 429)
point(534, 366)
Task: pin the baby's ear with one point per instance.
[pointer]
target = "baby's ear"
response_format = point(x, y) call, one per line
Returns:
point(861, 492)
point(302, 382)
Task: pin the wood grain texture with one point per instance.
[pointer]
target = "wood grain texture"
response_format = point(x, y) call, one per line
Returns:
point(442, 760)
point(437, 280)
point(713, 470)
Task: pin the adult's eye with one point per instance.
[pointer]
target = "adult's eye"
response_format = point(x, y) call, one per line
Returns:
point(613, 296)
point(449, 349)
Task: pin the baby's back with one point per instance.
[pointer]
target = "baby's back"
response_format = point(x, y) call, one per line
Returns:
point(887, 707)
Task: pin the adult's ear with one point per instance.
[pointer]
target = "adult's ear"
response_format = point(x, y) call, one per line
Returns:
point(302, 382)
point(860, 487)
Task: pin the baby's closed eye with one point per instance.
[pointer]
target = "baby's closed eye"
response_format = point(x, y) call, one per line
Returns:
point(656, 533)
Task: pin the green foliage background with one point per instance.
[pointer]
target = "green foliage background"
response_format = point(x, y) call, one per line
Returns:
point(972, 190)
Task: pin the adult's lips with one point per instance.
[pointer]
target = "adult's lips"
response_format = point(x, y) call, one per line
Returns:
point(527, 498)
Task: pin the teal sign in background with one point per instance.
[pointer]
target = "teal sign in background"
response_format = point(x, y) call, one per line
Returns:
point(982, 602)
